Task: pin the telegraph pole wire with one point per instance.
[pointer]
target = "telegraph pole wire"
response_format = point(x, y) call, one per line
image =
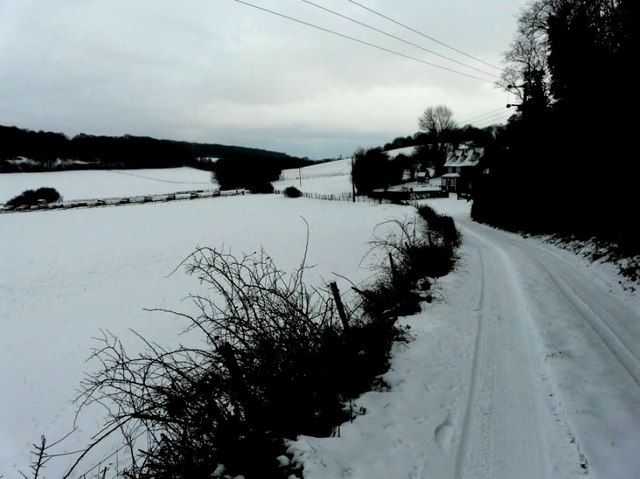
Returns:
point(424, 35)
point(333, 12)
point(363, 42)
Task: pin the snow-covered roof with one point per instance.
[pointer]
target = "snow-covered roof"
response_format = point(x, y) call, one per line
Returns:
point(465, 156)
point(451, 175)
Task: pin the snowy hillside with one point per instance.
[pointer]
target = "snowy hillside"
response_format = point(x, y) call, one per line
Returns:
point(329, 168)
point(332, 177)
point(407, 151)
point(93, 184)
point(527, 366)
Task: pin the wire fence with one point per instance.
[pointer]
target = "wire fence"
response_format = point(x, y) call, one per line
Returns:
point(125, 200)
point(386, 197)
point(339, 197)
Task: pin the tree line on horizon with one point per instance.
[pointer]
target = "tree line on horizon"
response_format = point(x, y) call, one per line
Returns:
point(235, 166)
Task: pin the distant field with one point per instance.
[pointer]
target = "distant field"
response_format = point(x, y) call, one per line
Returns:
point(333, 177)
point(330, 168)
point(90, 184)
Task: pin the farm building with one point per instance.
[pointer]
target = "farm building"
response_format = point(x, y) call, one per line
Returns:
point(461, 167)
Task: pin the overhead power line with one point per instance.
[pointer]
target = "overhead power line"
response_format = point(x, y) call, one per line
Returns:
point(363, 42)
point(487, 113)
point(424, 35)
point(493, 120)
point(333, 12)
point(502, 122)
point(504, 112)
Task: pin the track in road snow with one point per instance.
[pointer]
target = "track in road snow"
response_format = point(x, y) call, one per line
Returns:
point(605, 324)
point(507, 419)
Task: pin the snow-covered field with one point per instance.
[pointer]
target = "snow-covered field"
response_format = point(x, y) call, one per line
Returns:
point(330, 178)
point(67, 275)
point(328, 168)
point(334, 177)
point(91, 184)
point(407, 151)
point(528, 366)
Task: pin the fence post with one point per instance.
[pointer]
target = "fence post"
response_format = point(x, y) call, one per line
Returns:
point(339, 305)
point(394, 271)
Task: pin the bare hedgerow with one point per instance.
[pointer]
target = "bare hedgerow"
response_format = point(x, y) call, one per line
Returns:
point(417, 250)
point(262, 376)
point(279, 359)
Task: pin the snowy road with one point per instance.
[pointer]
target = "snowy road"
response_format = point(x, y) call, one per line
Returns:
point(555, 357)
point(530, 369)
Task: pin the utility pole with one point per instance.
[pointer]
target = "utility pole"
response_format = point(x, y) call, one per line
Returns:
point(353, 186)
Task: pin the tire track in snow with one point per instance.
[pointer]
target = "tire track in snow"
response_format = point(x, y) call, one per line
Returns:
point(477, 370)
point(508, 419)
point(584, 350)
point(616, 344)
point(620, 320)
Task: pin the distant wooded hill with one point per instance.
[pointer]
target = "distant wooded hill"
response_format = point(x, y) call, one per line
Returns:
point(236, 166)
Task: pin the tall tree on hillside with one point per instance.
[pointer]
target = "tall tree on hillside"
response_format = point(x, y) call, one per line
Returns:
point(572, 51)
point(373, 169)
point(437, 124)
point(436, 120)
point(526, 72)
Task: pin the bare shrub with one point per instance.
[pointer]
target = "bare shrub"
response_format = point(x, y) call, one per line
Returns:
point(417, 250)
point(32, 197)
point(278, 359)
point(292, 192)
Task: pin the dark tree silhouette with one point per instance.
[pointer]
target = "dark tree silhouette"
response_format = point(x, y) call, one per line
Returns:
point(373, 169)
point(437, 124)
point(570, 58)
point(237, 167)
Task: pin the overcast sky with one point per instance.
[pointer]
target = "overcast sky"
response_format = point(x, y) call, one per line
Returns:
point(220, 71)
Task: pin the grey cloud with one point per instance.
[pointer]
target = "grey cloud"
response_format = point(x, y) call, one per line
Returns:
point(223, 72)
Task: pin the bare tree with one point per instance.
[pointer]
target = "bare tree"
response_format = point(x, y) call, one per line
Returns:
point(437, 122)
point(436, 119)
point(526, 73)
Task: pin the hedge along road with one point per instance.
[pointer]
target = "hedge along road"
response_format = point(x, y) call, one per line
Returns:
point(529, 369)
